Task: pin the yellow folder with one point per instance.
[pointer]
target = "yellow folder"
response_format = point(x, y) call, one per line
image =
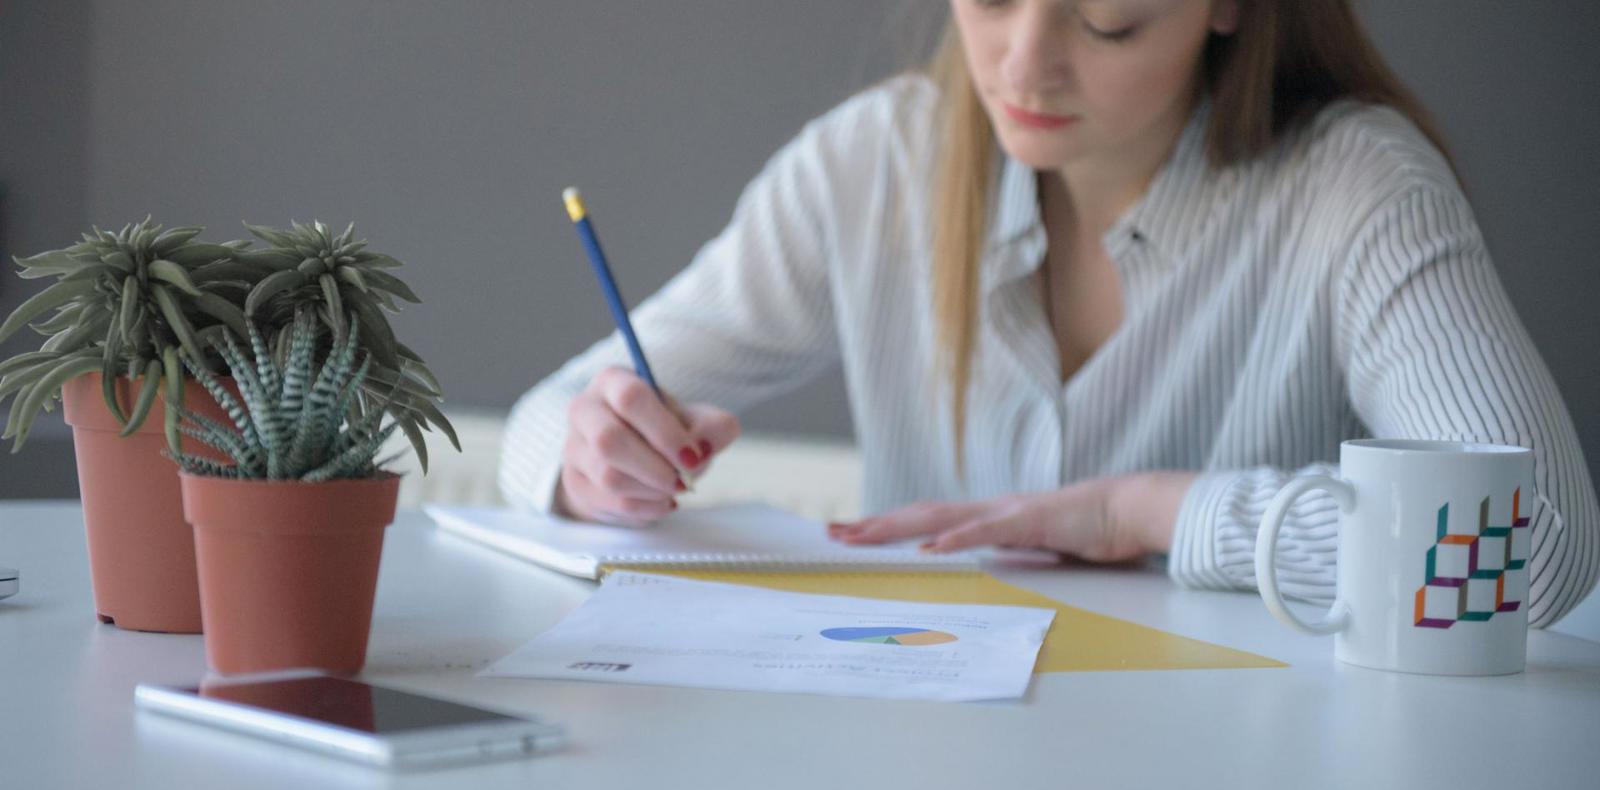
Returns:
point(1078, 641)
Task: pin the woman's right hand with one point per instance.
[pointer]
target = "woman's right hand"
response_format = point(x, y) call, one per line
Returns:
point(625, 447)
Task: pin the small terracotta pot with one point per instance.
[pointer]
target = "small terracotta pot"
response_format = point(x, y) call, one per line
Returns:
point(288, 569)
point(141, 551)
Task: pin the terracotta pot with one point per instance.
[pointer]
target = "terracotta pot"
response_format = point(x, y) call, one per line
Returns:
point(141, 551)
point(288, 569)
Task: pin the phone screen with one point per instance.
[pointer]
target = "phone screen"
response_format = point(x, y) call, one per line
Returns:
point(348, 703)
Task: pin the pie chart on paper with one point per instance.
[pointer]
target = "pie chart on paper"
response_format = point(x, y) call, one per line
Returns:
point(913, 637)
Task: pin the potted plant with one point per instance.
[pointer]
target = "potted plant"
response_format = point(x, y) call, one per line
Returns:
point(335, 277)
point(289, 530)
point(123, 304)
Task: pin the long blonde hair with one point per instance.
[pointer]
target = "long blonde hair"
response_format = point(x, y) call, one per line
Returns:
point(1287, 60)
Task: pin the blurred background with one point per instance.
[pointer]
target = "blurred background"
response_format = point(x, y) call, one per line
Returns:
point(446, 131)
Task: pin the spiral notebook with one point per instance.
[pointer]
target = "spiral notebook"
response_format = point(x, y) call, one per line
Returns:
point(730, 537)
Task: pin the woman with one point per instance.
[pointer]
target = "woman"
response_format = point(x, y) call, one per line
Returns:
point(1101, 282)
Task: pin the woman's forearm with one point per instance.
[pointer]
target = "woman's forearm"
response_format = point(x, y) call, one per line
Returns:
point(1145, 504)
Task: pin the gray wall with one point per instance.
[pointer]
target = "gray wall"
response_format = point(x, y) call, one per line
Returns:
point(446, 130)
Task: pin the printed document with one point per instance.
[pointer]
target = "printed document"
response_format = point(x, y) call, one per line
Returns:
point(664, 630)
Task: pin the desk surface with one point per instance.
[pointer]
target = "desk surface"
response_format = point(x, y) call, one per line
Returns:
point(446, 609)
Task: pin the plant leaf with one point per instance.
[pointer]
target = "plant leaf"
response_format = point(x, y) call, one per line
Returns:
point(177, 321)
point(388, 282)
point(380, 341)
point(50, 259)
point(353, 275)
point(418, 444)
point(272, 236)
point(79, 336)
point(200, 465)
point(222, 310)
point(19, 379)
point(44, 301)
point(270, 286)
point(330, 295)
point(351, 462)
point(110, 354)
point(119, 260)
point(172, 373)
point(172, 274)
point(225, 268)
point(173, 239)
point(245, 456)
point(149, 387)
point(270, 259)
point(377, 260)
point(199, 254)
point(224, 398)
point(128, 313)
point(47, 386)
point(24, 359)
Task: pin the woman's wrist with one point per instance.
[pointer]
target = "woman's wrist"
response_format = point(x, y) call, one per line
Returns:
point(559, 506)
point(1146, 504)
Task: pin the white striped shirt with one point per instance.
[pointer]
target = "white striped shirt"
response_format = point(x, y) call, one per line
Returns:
point(1336, 287)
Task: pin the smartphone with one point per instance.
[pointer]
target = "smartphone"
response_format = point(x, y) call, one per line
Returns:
point(354, 720)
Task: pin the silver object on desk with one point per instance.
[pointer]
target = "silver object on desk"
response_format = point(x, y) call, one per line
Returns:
point(354, 720)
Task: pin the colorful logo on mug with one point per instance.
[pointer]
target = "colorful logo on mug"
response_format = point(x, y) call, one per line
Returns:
point(1466, 574)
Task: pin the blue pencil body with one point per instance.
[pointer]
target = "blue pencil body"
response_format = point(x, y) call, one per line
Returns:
point(619, 309)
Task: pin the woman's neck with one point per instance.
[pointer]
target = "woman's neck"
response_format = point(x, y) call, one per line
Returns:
point(1093, 193)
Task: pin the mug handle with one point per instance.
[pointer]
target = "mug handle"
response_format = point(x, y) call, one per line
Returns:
point(1338, 615)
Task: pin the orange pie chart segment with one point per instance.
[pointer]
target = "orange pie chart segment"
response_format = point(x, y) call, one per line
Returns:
point(925, 638)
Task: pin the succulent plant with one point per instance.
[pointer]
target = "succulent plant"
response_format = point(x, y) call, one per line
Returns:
point(337, 277)
point(301, 420)
point(127, 303)
point(124, 303)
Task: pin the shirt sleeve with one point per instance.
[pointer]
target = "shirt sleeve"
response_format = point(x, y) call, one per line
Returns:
point(1431, 348)
point(748, 319)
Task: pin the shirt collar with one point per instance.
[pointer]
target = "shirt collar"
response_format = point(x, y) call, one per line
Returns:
point(1174, 209)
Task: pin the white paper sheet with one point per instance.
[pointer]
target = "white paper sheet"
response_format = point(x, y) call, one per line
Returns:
point(663, 630)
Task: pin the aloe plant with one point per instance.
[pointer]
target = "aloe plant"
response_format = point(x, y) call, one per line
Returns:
point(301, 420)
point(336, 276)
point(124, 304)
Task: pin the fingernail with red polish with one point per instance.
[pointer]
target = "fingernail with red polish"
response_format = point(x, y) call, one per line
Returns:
point(678, 484)
point(689, 459)
point(705, 448)
point(673, 505)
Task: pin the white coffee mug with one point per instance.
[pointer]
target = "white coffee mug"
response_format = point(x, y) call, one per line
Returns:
point(1434, 546)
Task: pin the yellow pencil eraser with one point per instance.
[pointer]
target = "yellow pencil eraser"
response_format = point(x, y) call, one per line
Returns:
point(574, 203)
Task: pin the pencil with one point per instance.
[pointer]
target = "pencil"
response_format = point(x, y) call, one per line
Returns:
point(619, 309)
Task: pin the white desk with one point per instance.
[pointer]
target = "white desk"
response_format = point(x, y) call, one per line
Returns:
point(445, 609)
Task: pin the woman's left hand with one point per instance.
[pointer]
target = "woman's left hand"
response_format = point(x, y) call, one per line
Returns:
point(1106, 519)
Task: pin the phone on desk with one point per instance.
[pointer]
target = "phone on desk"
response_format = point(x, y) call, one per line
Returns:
point(354, 720)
